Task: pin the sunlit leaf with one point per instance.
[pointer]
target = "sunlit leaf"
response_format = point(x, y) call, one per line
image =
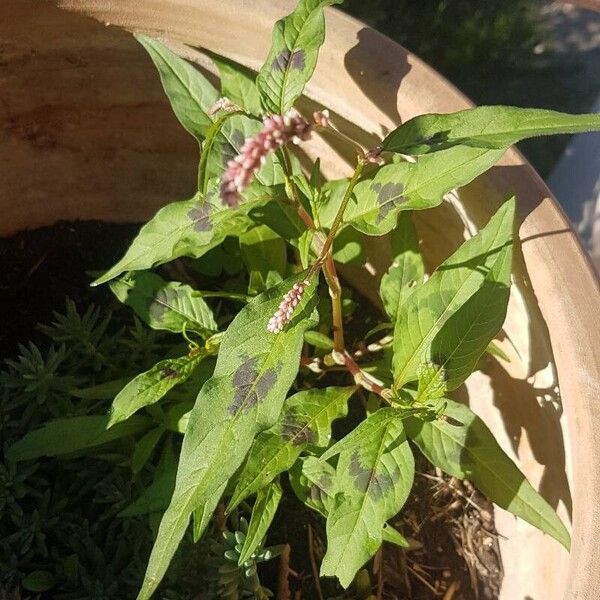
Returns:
point(293, 55)
point(412, 186)
point(190, 93)
point(306, 420)
point(374, 476)
point(263, 512)
point(161, 304)
point(149, 387)
point(432, 304)
point(188, 228)
point(483, 127)
point(407, 269)
point(245, 396)
point(464, 447)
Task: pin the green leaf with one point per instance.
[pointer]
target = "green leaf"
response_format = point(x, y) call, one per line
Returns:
point(245, 396)
point(412, 186)
point(432, 304)
point(190, 93)
point(72, 434)
point(306, 420)
point(38, 581)
point(171, 306)
point(483, 127)
point(465, 448)
point(263, 511)
point(144, 448)
point(374, 475)
point(155, 498)
point(293, 55)
point(349, 247)
point(238, 83)
point(188, 228)
point(319, 340)
point(314, 483)
point(265, 256)
point(407, 269)
point(149, 387)
point(464, 338)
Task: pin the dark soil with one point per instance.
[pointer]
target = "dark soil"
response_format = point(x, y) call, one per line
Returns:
point(454, 552)
point(39, 268)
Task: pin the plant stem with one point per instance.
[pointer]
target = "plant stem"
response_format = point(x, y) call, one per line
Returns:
point(287, 171)
point(339, 217)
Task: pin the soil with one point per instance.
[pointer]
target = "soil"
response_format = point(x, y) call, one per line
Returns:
point(454, 552)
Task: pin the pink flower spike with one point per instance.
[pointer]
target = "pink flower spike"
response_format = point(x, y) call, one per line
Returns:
point(277, 131)
point(290, 301)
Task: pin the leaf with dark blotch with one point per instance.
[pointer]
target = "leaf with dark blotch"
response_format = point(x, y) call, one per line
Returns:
point(306, 419)
point(410, 186)
point(217, 438)
point(263, 512)
point(190, 93)
point(432, 304)
point(72, 434)
point(238, 83)
point(171, 306)
point(149, 387)
point(373, 478)
point(462, 446)
point(188, 228)
point(293, 55)
point(314, 483)
point(490, 127)
point(406, 271)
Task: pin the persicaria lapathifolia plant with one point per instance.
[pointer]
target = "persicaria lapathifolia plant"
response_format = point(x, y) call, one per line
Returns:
point(246, 430)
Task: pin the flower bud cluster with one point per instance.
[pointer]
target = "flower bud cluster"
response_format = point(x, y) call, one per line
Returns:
point(286, 307)
point(278, 130)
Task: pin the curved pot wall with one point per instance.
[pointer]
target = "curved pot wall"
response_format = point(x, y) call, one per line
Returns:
point(88, 134)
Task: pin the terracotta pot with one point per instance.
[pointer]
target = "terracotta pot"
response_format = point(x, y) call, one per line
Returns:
point(88, 134)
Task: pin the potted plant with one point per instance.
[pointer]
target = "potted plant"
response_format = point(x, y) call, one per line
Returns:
point(432, 350)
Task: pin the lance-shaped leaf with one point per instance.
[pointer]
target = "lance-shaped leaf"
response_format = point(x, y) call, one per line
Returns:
point(149, 387)
point(306, 419)
point(188, 228)
point(374, 476)
point(155, 498)
point(413, 186)
point(245, 395)
point(190, 93)
point(407, 269)
point(263, 512)
point(144, 448)
point(483, 127)
point(314, 483)
point(463, 339)
point(292, 58)
point(238, 83)
point(161, 304)
point(465, 448)
point(431, 305)
point(72, 434)
point(265, 256)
